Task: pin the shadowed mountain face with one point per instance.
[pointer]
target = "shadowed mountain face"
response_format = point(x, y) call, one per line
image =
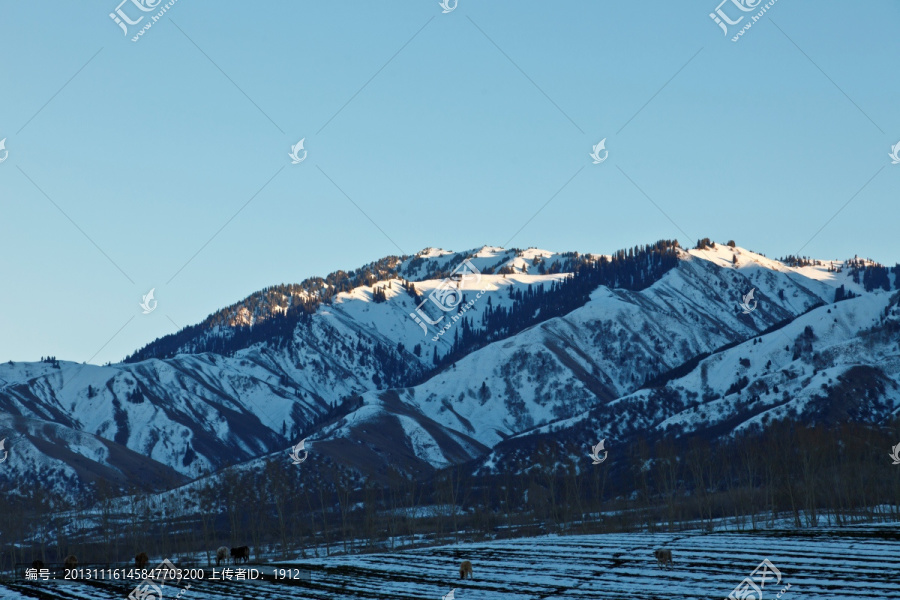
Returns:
point(525, 345)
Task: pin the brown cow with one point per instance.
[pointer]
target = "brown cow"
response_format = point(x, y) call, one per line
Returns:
point(141, 560)
point(663, 557)
point(221, 554)
point(70, 562)
point(465, 569)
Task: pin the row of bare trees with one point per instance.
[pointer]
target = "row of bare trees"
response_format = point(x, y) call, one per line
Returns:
point(809, 475)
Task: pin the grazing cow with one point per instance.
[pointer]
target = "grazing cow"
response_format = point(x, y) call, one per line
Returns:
point(221, 554)
point(241, 552)
point(663, 557)
point(141, 560)
point(465, 569)
point(70, 562)
point(37, 564)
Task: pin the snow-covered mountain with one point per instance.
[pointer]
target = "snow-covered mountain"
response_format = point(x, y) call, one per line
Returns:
point(402, 363)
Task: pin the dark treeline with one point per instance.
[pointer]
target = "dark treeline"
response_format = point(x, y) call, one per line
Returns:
point(871, 275)
point(808, 475)
point(875, 277)
point(272, 314)
point(632, 269)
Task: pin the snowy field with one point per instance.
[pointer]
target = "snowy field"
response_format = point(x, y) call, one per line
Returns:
point(820, 564)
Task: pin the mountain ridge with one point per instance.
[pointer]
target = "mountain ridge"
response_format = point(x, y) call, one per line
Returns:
point(532, 353)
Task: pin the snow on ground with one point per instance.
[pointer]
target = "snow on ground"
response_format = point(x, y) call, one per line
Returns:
point(818, 564)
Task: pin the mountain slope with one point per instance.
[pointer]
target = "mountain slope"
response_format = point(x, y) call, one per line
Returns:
point(613, 344)
point(383, 375)
point(838, 363)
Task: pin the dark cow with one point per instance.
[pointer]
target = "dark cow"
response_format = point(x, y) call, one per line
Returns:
point(37, 564)
point(239, 553)
point(663, 557)
point(141, 560)
point(70, 562)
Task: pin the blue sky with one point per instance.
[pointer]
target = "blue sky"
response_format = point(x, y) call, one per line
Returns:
point(449, 130)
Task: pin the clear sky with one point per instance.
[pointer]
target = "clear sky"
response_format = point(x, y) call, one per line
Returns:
point(164, 163)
